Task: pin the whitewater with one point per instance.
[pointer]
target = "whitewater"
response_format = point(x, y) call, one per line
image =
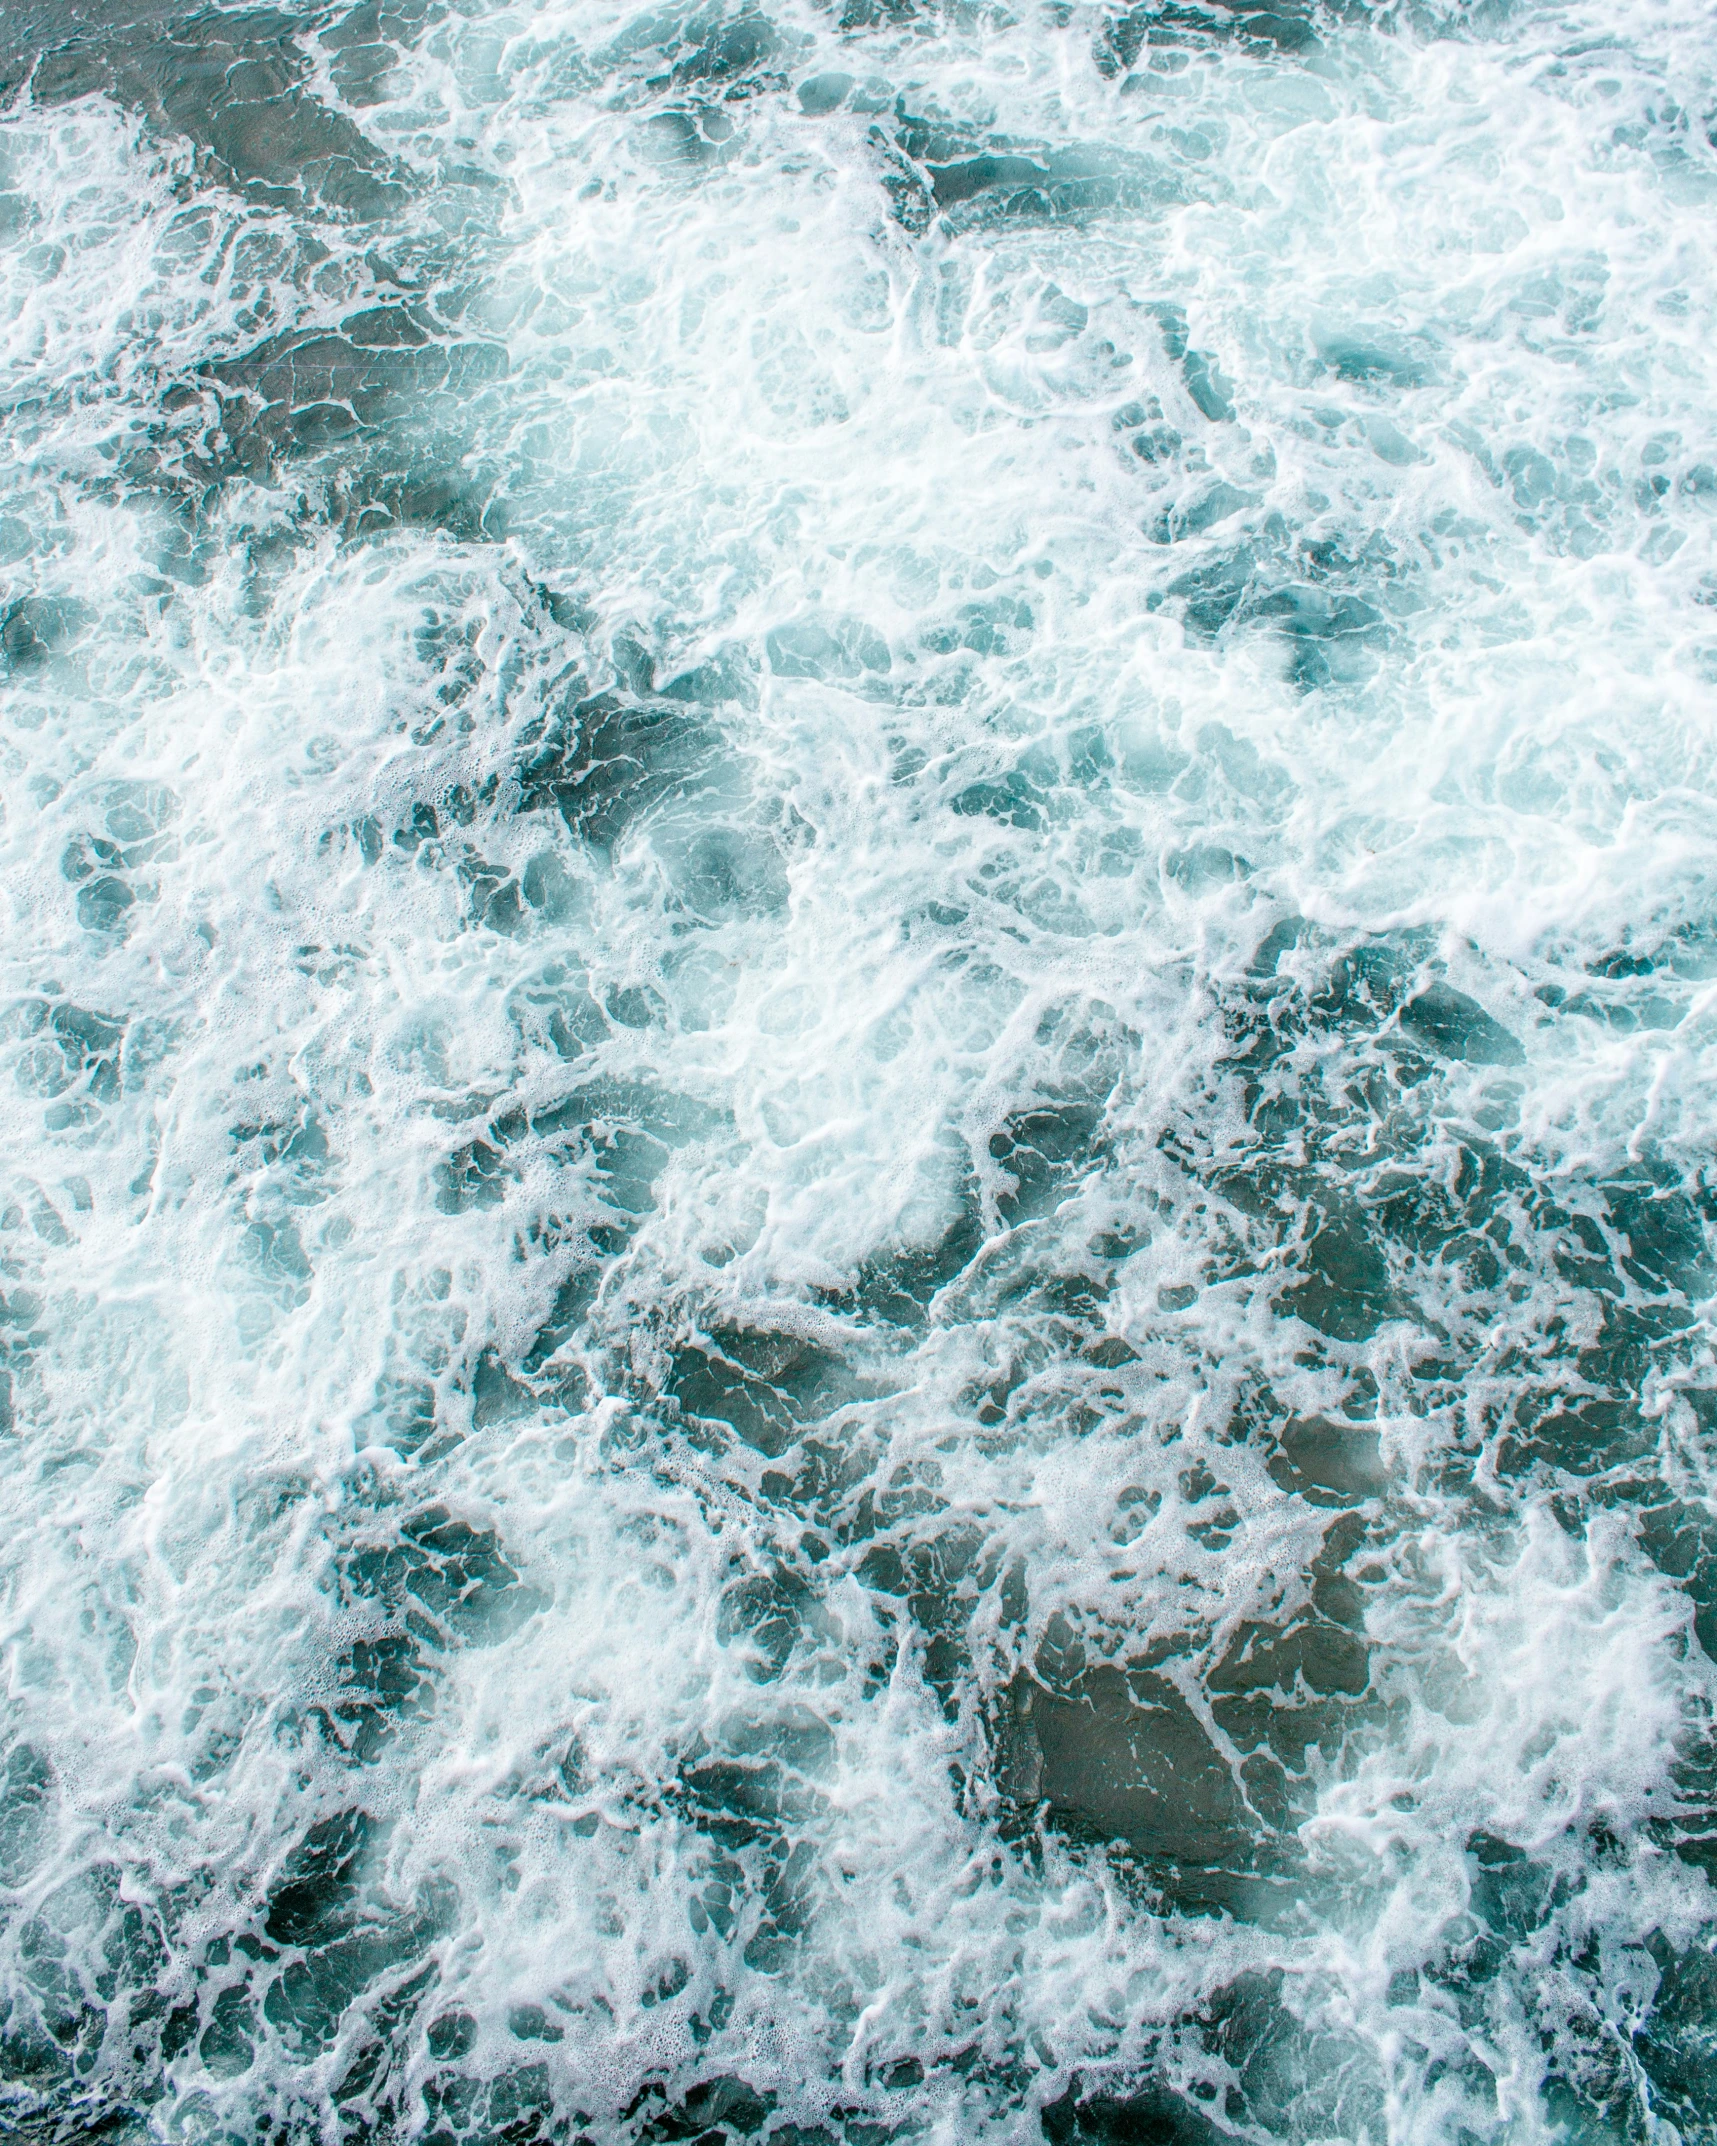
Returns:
point(858, 1073)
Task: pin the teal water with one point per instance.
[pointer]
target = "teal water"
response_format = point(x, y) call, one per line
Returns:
point(859, 871)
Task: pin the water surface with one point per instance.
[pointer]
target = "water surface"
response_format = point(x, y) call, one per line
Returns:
point(856, 1073)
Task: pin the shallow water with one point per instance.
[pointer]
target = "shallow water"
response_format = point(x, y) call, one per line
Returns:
point(857, 1107)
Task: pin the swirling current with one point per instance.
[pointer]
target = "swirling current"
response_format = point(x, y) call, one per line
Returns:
point(858, 1070)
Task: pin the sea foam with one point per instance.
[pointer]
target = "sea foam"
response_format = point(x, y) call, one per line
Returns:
point(857, 1046)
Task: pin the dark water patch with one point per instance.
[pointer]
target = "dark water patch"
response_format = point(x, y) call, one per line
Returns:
point(750, 1794)
point(311, 1994)
point(1375, 358)
point(373, 414)
point(626, 1131)
point(1380, 1202)
point(1321, 597)
point(1688, 1827)
point(1282, 1689)
point(1512, 1893)
point(574, 1295)
point(733, 54)
point(404, 1410)
point(306, 390)
point(1329, 1463)
point(1680, 1537)
point(1212, 392)
point(26, 1806)
point(420, 1585)
point(1149, 2115)
point(35, 629)
point(383, 1685)
point(554, 1009)
point(833, 1520)
point(449, 1580)
point(932, 166)
point(717, 2109)
point(1291, 2077)
point(68, 1055)
point(1664, 1226)
point(1016, 800)
point(369, 2085)
point(607, 758)
point(105, 904)
point(1120, 1756)
point(1344, 1287)
point(473, 1176)
point(1174, 29)
point(1455, 1026)
point(272, 1251)
point(1149, 439)
point(1328, 636)
point(517, 2106)
point(767, 1615)
point(1203, 510)
point(1039, 1151)
point(313, 1897)
point(766, 1387)
point(998, 626)
point(933, 1566)
point(362, 43)
point(238, 85)
point(1204, 865)
point(497, 1396)
point(899, 1284)
point(833, 91)
point(496, 900)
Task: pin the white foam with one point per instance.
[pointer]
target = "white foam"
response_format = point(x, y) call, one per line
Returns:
point(740, 403)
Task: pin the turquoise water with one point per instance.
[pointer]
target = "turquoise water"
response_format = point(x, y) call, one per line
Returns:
point(857, 1071)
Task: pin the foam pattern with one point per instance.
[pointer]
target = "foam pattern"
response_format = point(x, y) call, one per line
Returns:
point(856, 1073)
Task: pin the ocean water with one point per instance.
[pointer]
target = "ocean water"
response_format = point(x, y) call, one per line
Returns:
point(858, 1071)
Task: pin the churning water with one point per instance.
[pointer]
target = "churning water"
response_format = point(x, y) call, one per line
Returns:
point(857, 1072)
